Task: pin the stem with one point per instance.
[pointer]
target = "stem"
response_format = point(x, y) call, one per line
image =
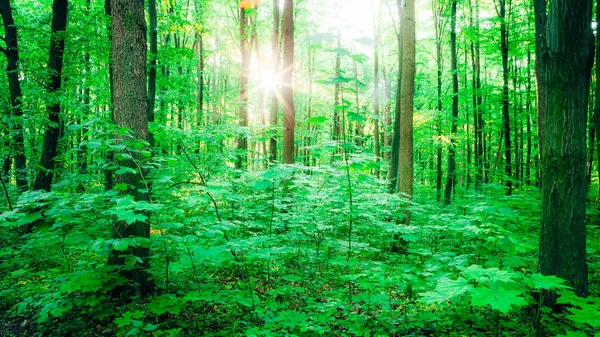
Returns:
point(350, 223)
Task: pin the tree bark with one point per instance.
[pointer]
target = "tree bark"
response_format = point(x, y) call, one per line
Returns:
point(242, 141)
point(287, 89)
point(275, 72)
point(376, 100)
point(505, 103)
point(43, 180)
point(450, 178)
point(564, 63)
point(153, 64)
point(439, 24)
point(395, 155)
point(407, 91)
point(130, 111)
point(12, 72)
point(597, 97)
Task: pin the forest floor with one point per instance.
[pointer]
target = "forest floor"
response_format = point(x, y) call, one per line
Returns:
point(270, 257)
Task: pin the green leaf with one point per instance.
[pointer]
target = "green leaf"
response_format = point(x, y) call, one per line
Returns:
point(447, 289)
point(497, 297)
point(317, 119)
point(124, 169)
point(121, 244)
point(133, 332)
point(589, 315)
point(550, 282)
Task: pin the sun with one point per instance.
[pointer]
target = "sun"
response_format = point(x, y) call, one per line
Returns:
point(268, 80)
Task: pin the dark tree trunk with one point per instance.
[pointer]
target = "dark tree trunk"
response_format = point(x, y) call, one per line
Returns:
point(108, 173)
point(54, 81)
point(395, 155)
point(528, 122)
point(287, 89)
point(439, 24)
point(131, 111)
point(153, 65)
point(376, 95)
point(200, 115)
point(505, 103)
point(450, 178)
point(564, 63)
point(597, 97)
point(275, 72)
point(14, 84)
point(242, 141)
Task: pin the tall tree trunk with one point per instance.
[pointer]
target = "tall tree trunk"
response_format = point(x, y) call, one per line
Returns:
point(450, 178)
point(53, 84)
point(242, 141)
point(287, 89)
point(505, 104)
point(274, 92)
point(153, 65)
point(528, 122)
point(439, 23)
point(477, 100)
point(337, 92)
point(395, 155)
point(597, 97)
point(14, 84)
point(376, 137)
point(564, 63)
point(109, 155)
point(405, 185)
point(200, 115)
point(131, 111)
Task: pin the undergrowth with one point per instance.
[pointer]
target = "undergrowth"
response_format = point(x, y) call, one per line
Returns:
point(284, 252)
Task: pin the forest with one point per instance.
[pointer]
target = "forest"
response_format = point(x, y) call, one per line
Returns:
point(300, 168)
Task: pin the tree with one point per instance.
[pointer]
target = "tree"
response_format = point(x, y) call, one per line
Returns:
point(130, 111)
point(12, 72)
point(439, 24)
point(287, 88)
point(501, 11)
point(55, 66)
point(407, 92)
point(245, 52)
point(450, 178)
point(376, 137)
point(275, 71)
point(563, 70)
point(153, 63)
point(394, 158)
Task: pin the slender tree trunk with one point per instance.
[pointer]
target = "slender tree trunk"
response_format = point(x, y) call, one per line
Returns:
point(528, 122)
point(337, 92)
point(376, 137)
point(287, 90)
point(505, 103)
point(14, 84)
point(564, 64)
point(395, 155)
point(153, 65)
point(131, 111)
point(597, 97)
point(439, 23)
point(405, 185)
point(274, 92)
point(450, 178)
point(43, 180)
point(242, 141)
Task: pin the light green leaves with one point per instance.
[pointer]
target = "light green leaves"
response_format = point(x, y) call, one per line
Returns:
point(550, 282)
point(447, 289)
point(497, 297)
